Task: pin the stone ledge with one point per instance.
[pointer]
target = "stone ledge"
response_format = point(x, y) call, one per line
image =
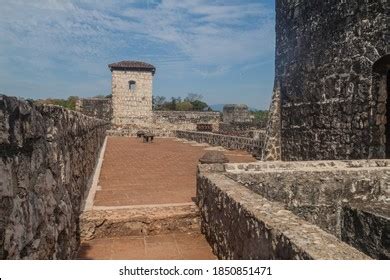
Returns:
point(349, 199)
point(138, 220)
point(240, 224)
point(264, 166)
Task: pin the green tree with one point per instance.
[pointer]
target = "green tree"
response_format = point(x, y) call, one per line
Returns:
point(158, 102)
point(184, 106)
point(69, 103)
point(193, 102)
point(198, 105)
point(172, 104)
point(196, 101)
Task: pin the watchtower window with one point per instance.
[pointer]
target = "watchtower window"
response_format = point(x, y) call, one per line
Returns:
point(132, 85)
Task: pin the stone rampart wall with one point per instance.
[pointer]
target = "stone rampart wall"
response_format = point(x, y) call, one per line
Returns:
point(100, 108)
point(165, 123)
point(185, 120)
point(240, 129)
point(229, 142)
point(48, 155)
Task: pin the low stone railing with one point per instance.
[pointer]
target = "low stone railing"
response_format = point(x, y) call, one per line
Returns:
point(241, 224)
point(349, 199)
point(250, 145)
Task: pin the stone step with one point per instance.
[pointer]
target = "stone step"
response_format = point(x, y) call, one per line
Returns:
point(140, 220)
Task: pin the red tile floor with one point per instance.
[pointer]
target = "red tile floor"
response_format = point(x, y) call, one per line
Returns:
point(136, 173)
point(175, 246)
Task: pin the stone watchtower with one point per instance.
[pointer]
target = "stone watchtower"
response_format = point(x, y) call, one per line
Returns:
point(132, 92)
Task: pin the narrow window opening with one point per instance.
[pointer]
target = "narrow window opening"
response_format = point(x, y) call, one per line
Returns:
point(381, 114)
point(388, 114)
point(132, 85)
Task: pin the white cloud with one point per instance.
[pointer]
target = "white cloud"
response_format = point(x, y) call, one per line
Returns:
point(206, 33)
point(206, 37)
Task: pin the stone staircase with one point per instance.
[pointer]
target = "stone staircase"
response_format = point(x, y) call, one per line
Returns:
point(143, 220)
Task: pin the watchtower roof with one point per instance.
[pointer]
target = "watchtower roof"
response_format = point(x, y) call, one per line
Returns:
point(132, 66)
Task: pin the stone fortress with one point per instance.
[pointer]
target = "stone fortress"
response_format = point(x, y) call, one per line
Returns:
point(321, 187)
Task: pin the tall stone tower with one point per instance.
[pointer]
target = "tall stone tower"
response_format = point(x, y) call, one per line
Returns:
point(132, 87)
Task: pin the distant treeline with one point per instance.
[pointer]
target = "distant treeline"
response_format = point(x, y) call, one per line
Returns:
point(193, 102)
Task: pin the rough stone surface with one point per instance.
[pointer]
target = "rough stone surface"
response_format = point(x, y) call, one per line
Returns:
point(272, 140)
point(236, 113)
point(237, 121)
point(241, 129)
point(349, 199)
point(165, 123)
point(183, 120)
point(333, 101)
point(100, 108)
point(213, 157)
point(47, 157)
point(131, 106)
point(250, 145)
point(367, 227)
point(240, 224)
point(138, 221)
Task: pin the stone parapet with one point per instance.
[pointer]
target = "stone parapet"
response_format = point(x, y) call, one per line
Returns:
point(185, 120)
point(48, 155)
point(100, 108)
point(349, 199)
point(250, 130)
point(240, 224)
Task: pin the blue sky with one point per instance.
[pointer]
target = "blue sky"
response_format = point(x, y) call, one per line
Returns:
point(223, 50)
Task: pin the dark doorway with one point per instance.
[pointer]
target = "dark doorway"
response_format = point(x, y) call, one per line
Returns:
point(380, 144)
point(387, 83)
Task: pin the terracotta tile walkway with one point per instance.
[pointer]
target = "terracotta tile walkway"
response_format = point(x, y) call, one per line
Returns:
point(164, 172)
point(182, 246)
point(136, 173)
